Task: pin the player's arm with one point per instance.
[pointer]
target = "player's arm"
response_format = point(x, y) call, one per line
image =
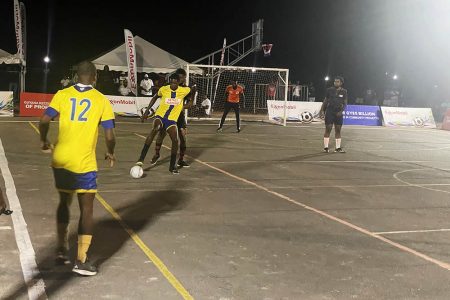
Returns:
point(44, 123)
point(110, 140)
point(149, 107)
point(324, 106)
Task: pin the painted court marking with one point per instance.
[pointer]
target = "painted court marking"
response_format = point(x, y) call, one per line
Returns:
point(437, 262)
point(5, 228)
point(396, 176)
point(412, 231)
point(147, 251)
point(31, 275)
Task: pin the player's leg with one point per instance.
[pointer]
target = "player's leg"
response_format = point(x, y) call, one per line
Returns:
point(158, 145)
point(85, 230)
point(157, 126)
point(238, 119)
point(337, 133)
point(62, 227)
point(226, 110)
point(182, 132)
point(172, 131)
point(328, 128)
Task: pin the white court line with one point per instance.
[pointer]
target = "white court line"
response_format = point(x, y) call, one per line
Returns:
point(412, 231)
point(31, 275)
point(362, 230)
point(418, 185)
point(5, 228)
point(321, 161)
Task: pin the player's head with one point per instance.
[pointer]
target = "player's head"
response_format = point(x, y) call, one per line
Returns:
point(146, 76)
point(87, 73)
point(234, 82)
point(174, 81)
point(338, 81)
point(182, 74)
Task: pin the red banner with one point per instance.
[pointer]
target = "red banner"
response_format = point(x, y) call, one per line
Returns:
point(34, 104)
point(446, 121)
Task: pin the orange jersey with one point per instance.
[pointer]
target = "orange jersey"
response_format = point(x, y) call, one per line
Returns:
point(234, 94)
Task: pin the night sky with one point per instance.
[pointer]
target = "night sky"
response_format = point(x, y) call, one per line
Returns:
point(360, 40)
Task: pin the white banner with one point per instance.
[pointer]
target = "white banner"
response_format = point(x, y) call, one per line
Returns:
point(131, 60)
point(18, 28)
point(408, 117)
point(6, 104)
point(123, 105)
point(295, 111)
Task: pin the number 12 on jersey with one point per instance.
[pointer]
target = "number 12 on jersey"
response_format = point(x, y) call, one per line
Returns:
point(85, 104)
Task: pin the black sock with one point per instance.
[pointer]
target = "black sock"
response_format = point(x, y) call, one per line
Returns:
point(173, 158)
point(144, 152)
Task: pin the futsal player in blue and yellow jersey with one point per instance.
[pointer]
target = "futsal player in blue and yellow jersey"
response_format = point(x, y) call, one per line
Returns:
point(81, 108)
point(166, 117)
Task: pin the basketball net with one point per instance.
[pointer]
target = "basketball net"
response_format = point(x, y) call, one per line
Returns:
point(267, 48)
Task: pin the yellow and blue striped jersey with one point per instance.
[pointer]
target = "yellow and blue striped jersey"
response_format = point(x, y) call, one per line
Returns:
point(171, 103)
point(81, 109)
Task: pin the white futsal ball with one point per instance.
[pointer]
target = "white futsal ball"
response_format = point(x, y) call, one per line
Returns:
point(307, 117)
point(418, 122)
point(136, 172)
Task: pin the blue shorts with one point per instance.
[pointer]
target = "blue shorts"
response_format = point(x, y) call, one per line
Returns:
point(166, 122)
point(69, 182)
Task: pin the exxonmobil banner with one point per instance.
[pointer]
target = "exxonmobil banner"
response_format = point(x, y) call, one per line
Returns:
point(34, 104)
point(131, 60)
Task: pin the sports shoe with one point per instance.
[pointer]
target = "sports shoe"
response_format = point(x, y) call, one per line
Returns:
point(219, 129)
point(238, 130)
point(326, 150)
point(155, 159)
point(183, 164)
point(339, 150)
point(139, 163)
point(174, 171)
point(61, 257)
point(85, 269)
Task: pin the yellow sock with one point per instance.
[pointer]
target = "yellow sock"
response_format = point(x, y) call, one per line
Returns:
point(84, 241)
point(63, 236)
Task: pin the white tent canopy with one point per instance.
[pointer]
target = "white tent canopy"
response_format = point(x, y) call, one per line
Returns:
point(149, 58)
point(8, 58)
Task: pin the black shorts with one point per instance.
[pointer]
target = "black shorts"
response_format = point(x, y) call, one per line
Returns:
point(331, 118)
point(181, 122)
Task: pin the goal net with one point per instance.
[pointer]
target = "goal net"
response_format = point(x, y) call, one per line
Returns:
point(212, 81)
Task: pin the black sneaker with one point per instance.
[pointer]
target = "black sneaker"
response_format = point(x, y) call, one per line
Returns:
point(183, 164)
point(155, 159)
point(62, 258)
point(339, 150)
point(326, 150)
point(174, 171)
point(219, 129)
point(85, 269)
point(238, 130)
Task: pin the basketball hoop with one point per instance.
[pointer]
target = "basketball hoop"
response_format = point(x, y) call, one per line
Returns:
point(267, 48)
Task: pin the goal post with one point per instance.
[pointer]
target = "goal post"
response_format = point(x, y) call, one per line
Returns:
point(212, 80)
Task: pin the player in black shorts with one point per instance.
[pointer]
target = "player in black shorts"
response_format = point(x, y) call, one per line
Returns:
point(333, 107)
point(181, 124)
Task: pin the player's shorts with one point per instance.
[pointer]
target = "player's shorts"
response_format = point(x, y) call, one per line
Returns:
point(181, 122)
point(70, 182)
point(331, 118)
point(166, 122)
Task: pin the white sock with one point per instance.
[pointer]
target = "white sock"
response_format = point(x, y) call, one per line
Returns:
point(326, 141)
point(338, 143)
